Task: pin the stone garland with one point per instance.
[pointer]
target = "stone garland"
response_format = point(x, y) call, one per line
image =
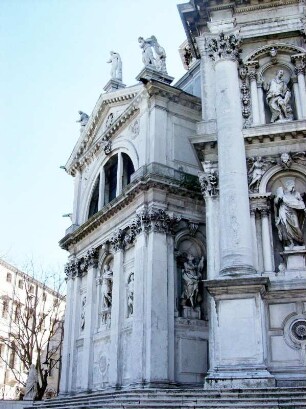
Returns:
point(245, 96)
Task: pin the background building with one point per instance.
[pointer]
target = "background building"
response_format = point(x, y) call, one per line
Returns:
point(31, 319)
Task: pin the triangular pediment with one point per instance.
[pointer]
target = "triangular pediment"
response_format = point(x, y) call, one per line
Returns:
point(110, 113)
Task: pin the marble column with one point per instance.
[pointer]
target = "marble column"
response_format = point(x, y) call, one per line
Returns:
point(254, 96)
point(64, 382)
point(255, 246)
point(299, 62)
point(266, 241)
point(261, 104)
point(119, 174)
point(296, 91)
point(90, 316)
point(157, 312)
point(236, 252)
point(114, 352)
point(238, 308)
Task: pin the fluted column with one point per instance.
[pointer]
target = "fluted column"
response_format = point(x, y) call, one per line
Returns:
point(236, 251)
point(299, 61)
point(266, 241)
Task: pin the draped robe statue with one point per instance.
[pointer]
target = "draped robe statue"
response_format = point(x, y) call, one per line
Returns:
point(289, 215)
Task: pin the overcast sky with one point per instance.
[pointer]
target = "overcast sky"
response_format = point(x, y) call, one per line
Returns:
point(53, 57)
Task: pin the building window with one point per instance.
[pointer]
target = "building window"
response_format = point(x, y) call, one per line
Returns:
point(110, 170)
point(12, 357)
point(128, 170)
point(20, 284)
point(94, 201)
point(5, 308)
point(9, 277)
point(44, 297)
point(31, 289)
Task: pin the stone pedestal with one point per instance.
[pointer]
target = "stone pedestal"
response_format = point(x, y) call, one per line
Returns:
point(113, 85)
point(149, 73)
point(239, 345)
point(294, 260)
point(191, 313)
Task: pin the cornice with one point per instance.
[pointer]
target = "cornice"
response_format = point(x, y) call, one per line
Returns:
point(173, 94)
point(122, 201)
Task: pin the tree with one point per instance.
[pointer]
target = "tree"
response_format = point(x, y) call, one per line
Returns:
point(33, 331)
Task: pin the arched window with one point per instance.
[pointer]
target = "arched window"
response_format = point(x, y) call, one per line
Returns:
point(94, 202)
point(113, 178)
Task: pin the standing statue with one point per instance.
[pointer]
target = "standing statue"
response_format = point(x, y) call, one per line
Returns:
point(83, 118)
point(191, 275)
point(116, 70)
point(107, 287)
point(289, 215)
point(256, 172)
point(31, 385)
point(130, 296)
point(278, 98)
point(160, 59)
point(147, 53)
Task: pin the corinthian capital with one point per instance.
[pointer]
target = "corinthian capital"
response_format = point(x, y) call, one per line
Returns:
point(224, 46)
point(299, 62)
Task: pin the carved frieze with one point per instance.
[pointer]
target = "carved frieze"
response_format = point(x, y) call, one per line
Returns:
point(257, 167)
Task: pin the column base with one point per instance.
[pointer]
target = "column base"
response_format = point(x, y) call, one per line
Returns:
point(238, 271)
point(240, 378)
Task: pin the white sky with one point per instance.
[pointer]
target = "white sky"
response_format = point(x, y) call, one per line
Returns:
point(53, 57)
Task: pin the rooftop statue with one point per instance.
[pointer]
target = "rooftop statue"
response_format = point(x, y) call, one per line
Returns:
point(278, 98)
point(157, 61)
point(289, 215)
point(83, 118)
point(116, 67)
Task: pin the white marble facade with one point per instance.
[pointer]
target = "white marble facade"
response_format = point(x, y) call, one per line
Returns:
point(187, 248)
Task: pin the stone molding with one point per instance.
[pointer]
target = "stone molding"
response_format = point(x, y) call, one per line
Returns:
point(226, 46)
point(157, 220)
point(230, 286)
point(266, 49)
point(144, 183)
point(78, 267)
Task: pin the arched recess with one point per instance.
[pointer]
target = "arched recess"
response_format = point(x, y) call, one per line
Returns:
point(190, 254)
point(129, 163)
point(274, 179)
point(260, 68)
point(105, 288)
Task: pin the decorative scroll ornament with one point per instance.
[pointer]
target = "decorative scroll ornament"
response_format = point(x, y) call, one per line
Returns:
point(225, 46)
point(245, 96)
point(208, 180)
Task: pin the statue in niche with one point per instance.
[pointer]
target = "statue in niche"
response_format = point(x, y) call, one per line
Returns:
point(83, 119)
point(130, 295)
point(31, 385)
point(278, 98)
point(289, 215)
point(83, 314)
point(192, 274)
point(107, 287)
point(157, 62)
point(116, 70)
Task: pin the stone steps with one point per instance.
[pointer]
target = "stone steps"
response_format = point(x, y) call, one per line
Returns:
point(270, 398)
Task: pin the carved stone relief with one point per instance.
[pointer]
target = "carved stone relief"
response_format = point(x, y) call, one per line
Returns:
point(224, 46)
point(191, 276)
point(209, 179)
point(257, 167)
point(245, 96)
point(295, 331)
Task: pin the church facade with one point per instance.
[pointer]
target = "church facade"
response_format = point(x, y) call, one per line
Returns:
point(187, 248)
